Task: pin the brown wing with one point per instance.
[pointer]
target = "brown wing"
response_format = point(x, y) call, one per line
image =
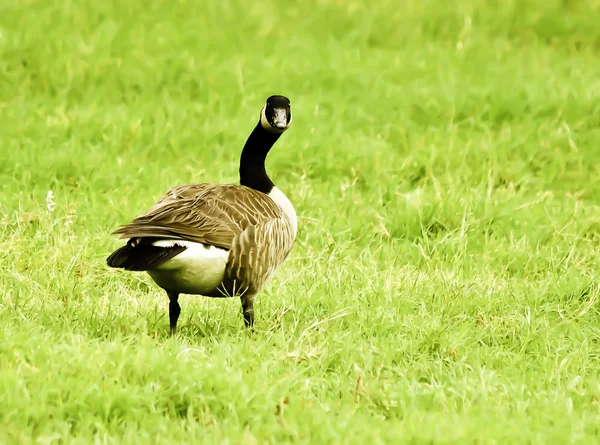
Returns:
point(206, 213)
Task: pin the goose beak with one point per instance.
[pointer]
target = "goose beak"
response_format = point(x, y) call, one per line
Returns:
point(280, 118)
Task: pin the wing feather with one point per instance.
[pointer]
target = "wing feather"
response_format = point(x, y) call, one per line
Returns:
point(212, 214)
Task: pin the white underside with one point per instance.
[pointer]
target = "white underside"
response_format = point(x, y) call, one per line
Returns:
point(199, 269)
point(288, 209)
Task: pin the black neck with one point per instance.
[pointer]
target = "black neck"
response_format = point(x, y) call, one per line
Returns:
point(252, 161)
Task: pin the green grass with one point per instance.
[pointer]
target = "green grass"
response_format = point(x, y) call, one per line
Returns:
point(444, 162)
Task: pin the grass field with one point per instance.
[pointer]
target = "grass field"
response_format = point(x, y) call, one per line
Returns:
point(444, 162)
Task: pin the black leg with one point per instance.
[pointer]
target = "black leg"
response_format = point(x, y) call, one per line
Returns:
point(248, 310)
point(174, 310)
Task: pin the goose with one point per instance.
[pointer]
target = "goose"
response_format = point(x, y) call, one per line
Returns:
point(217, 240)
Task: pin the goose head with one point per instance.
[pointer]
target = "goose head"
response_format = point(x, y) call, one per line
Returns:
point(276, 115)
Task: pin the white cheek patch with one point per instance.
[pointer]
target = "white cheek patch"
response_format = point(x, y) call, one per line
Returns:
point(263, 119)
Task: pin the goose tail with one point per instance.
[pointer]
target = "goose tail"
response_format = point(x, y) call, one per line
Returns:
point(142, 256)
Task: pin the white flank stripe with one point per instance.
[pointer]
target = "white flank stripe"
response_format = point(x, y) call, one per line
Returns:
point(197, 270)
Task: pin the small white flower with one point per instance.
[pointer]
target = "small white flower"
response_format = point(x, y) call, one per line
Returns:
point(50, 204)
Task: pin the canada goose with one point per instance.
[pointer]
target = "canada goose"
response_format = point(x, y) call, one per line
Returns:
point(217, 240)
